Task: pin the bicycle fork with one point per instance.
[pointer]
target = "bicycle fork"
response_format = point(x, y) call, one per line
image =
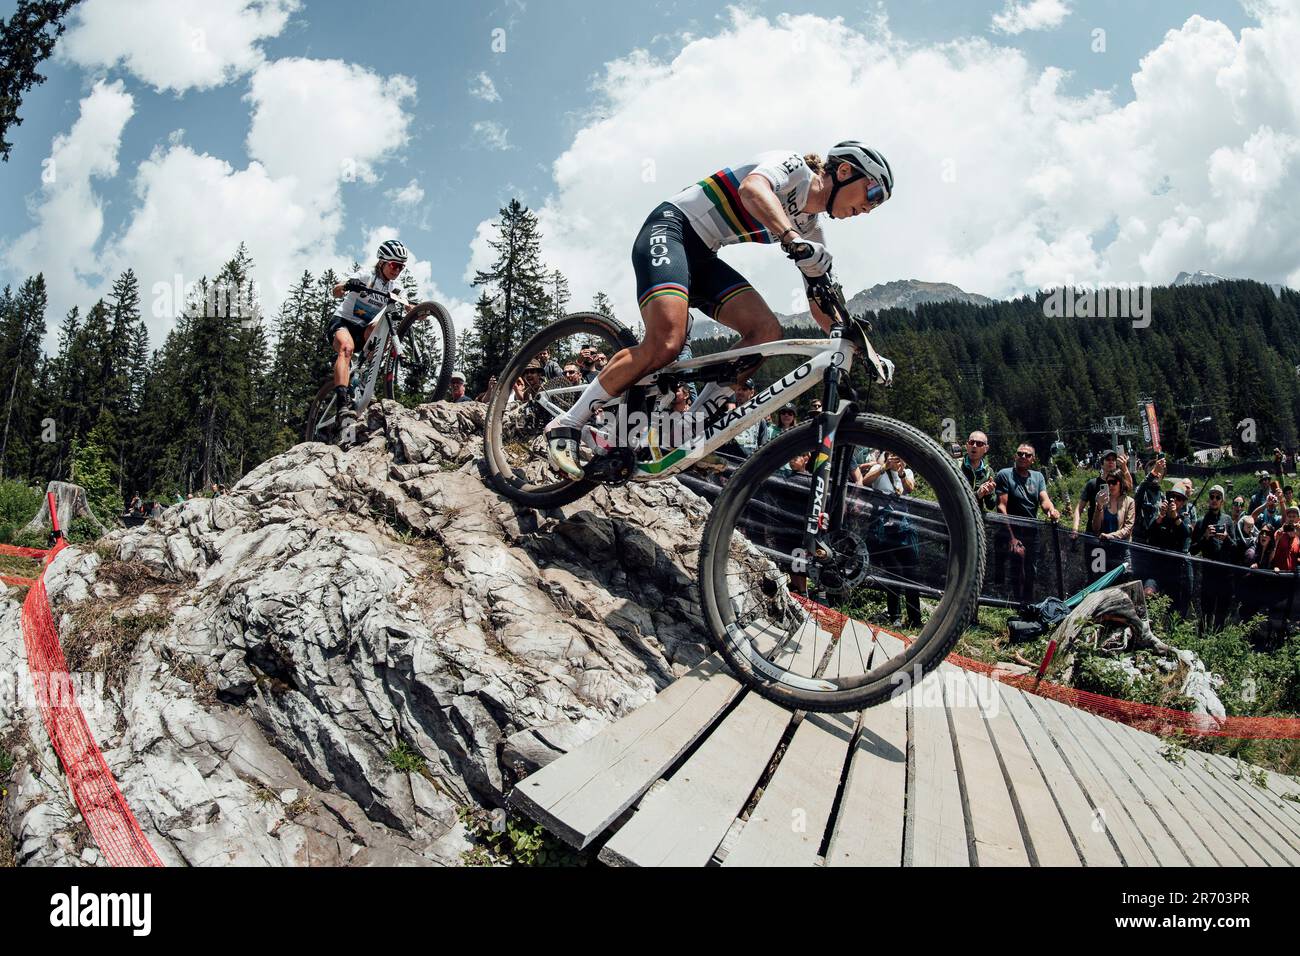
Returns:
point(829, 466)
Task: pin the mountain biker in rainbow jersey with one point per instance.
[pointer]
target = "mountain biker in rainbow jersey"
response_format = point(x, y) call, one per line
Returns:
point(358, 308)
point(777, 198)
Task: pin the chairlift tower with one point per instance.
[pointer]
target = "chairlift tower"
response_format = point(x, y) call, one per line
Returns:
point(1114, 426)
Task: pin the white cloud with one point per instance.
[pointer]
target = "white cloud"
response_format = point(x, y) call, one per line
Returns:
point(170, 242)
point(481, 254)
point(69, 216)
point(323, 122)
point(1005, 183)
point(1017, 17)
point(483, 88)
point(175, 44)
point(412, 194)
point(315, 126)
point(491, 134)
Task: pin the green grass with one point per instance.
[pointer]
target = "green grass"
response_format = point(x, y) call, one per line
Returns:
point(502, 839)
point(19, 567)
point(406, 759)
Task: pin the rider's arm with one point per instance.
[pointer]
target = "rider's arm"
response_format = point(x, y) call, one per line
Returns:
point(761, 201)
point(822, 318)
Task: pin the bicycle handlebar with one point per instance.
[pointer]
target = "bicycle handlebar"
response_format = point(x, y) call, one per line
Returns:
point(828, 295)
point(356, 285)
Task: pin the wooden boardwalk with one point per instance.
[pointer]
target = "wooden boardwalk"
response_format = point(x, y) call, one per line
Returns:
point(962, 771)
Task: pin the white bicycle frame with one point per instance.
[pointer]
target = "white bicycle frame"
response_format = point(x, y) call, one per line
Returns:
point(385, 339)
point(832, 352)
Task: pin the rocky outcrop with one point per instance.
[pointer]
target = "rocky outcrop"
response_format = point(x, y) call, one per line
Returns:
point(326, 664)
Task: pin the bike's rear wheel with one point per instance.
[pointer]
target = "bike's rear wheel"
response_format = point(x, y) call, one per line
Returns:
point(923, 551)
point(514, 446)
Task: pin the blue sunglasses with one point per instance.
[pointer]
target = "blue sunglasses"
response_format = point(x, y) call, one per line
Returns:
point(875, 194)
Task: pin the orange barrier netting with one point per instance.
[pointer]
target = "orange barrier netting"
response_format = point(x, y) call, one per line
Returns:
point(13, 549)
point(1164, 721)
point(17, 582)
point(107, 816)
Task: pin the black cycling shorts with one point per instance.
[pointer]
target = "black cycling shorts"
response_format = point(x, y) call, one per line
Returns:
point(358, 330)
point(670, 258)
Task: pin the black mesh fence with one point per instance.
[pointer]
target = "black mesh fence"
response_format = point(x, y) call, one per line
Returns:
point(1028, 561)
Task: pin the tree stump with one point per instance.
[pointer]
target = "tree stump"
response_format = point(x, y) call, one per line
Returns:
point(70, 502)
point(1121, 606)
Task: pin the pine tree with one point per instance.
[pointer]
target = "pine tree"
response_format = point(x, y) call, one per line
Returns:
point(478, 367)
point(298, 365)
point(22, 329)
point(559, 294)
point(515, 285)
point(26, 41)
point(603, 305)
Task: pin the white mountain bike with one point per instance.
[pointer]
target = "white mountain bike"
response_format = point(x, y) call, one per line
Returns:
point(792, 528)
point(391, 346)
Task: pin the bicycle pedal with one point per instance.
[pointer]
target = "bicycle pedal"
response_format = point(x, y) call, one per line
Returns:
point(614, 468)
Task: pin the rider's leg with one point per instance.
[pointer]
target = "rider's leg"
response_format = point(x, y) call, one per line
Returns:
point(743, 310)
point(343, 347)
point(662, 264)
point(748, 314)
point(665, 333)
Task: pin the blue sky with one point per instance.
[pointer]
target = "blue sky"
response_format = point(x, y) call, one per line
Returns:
point(557, 98)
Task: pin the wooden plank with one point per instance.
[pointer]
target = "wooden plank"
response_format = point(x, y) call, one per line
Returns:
point(682, 823)
point(1109, 809)
point(852, 654)
point(998, 840)
point(938, 821)
point(1236, 805)
point(804, 650)
point(1281, 783)
point(1216, 825)
point(1195, 836)
point(1262, 803)
point(1285, 812)
point(1141, 807)
point(579, 795)
point(1050, 843)
point(786, 827)
point(888, 645)
point(1088, 830)
point(869, 826)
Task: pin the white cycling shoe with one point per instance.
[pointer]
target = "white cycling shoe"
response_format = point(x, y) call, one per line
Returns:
point(562, 450)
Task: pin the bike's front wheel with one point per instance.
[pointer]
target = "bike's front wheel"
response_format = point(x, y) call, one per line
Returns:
point(429, 345)
point(905, 549)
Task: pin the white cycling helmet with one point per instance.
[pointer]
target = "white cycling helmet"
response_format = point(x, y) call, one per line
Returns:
point(866, 163)
point(392, 250)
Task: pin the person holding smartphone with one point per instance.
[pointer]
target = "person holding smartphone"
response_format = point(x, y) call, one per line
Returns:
point(1269, 513)
point(1286, 543)
point(1217, 538)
